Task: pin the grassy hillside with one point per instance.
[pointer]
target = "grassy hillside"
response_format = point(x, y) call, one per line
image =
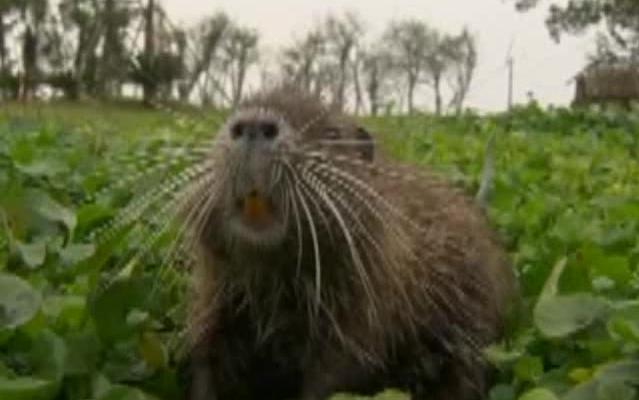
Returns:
point(78, 321)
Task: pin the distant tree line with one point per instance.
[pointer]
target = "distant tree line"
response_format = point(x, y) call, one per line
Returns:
point(103, 48)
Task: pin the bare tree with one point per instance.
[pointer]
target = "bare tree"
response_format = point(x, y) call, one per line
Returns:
point(342, 37)
point(377, 68)
point(464, 63)
point(87, 47)
point(111, 74)
point(149, 85)
point(356, 67)
point(438, 60)
point(200, 46)
point(85, 17)
point(302, 60)
point(407, 42)
point(6, 9)
point(33, 14)
point(240, 52)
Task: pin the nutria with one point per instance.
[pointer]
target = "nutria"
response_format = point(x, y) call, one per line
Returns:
point(323, 268)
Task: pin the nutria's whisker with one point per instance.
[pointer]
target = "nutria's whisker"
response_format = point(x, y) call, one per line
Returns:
point(292, 198)
point(195, 195)
point(352, 247)
point(332, 191)
point(361, 185)
point(316, 248)
point(146, 167)
point(322, 214)
point(139, 206)
point(443, 301)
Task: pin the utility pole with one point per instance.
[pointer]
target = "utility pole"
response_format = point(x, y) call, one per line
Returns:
point(510, 62)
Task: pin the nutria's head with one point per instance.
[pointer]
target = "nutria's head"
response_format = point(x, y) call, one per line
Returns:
point(262, 153)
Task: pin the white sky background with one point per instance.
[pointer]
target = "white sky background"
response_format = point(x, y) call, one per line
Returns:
point(541, 66)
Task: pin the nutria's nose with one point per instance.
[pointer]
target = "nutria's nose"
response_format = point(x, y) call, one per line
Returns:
point(254, 131)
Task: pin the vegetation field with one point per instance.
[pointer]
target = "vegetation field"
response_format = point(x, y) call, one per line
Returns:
point(92, 306)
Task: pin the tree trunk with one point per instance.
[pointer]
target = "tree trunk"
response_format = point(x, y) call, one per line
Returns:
point(183, 88)
point(437, 79)
point(341, 88)
point(239, 84)
point(3, 46)
point(85, 57)
point(410, 93)
point(150, 84)
point(109, 65)
point(373, 90)
point(306, 76)
point(4, 70)
point(358, 86)
point(29, 63)
point(78, 64)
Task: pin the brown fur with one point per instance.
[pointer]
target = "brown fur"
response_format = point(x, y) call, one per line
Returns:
point(413, 281)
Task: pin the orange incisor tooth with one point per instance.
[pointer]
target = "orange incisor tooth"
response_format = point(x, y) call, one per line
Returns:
point(255, 208)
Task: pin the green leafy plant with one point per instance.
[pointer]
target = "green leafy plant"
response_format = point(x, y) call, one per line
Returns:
point(78, 319)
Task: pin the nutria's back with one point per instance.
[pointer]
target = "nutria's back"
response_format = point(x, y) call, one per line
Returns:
point(323, 268)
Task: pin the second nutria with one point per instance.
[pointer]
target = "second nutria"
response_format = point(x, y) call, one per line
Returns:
point(322, 268)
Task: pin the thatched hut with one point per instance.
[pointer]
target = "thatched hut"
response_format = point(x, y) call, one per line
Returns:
point(605, 84)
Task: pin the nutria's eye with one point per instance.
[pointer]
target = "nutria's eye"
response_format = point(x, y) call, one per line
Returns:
point(270, 130)
point(237, 130)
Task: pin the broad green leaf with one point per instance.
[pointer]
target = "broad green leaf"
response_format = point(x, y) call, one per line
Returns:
point(48, 208)
point(100, 385)
point(579, 375)
point(558, 316)
point(48, 355)
point(137, 318)
point(502, 392)
point(91, 214)
point(529, 369)
point(43, 168)
point(32, 254)
point(584, 391)
point(623, 210)
point(623, 329)
point(602, 349)
point(551, 287)
point(499, 356)
point(5, 371)
point(112, 305)
point(386, 395)
point(623, 371)
point(561, 316)
point(613, 267)
point(75, 253)
point(26, 388)
point(538, 394)
point(122, 392)
point(571, 228)
point(152, 350)
point(83, 353)
point(66, 312)
point(19, 302)
point(615, 391)
point(617, 373)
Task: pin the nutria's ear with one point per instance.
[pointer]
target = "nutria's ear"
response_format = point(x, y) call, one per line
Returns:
point(367, 149)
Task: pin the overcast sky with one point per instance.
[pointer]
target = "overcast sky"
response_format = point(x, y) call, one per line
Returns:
point(541, 66)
